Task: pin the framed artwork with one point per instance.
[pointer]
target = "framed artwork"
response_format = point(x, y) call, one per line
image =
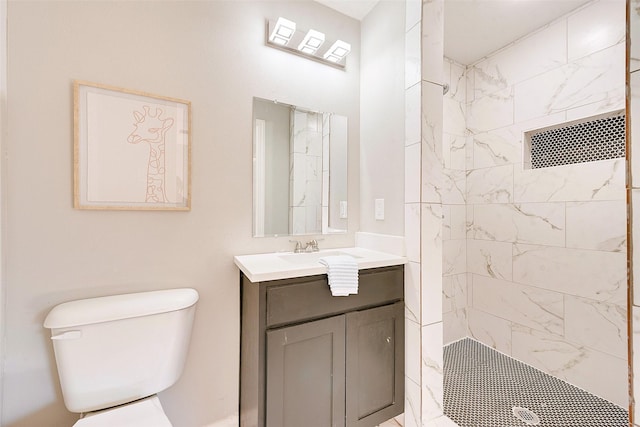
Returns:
point(132, 150)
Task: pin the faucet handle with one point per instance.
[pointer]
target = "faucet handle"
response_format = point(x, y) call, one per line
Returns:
point(298, 248)
point(313, 245)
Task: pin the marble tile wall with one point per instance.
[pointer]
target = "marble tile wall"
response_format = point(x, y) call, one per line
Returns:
point(540, 272)
point(424, 195)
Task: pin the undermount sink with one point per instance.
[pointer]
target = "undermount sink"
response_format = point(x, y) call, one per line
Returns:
point(310, 257)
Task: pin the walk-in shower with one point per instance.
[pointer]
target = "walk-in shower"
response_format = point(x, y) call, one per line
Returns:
point(534, 230)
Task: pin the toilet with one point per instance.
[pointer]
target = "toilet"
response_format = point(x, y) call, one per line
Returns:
point(115, 353)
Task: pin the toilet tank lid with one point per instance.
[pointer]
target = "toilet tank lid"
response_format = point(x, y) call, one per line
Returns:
point(117, 307)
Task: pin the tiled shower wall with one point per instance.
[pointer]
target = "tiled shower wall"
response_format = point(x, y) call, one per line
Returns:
point(534, 261)
point(423, 213)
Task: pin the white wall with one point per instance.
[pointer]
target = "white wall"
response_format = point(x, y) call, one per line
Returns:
point(382, 115)
point(535, 259)
point(211, 53)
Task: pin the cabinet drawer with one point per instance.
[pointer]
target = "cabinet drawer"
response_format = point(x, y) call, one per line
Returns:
point(294, 300)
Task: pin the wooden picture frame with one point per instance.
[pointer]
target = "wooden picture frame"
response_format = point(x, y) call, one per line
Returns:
point(132, 150)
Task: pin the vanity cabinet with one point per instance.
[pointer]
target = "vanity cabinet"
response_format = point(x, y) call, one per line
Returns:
point(314, 360)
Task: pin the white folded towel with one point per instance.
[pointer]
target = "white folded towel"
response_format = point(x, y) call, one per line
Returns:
point(342, 271)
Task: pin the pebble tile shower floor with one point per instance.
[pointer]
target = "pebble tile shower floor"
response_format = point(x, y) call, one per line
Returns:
point(482, 387)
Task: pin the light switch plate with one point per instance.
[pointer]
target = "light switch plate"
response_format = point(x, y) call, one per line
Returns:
point(379, 209)
point(343, 209)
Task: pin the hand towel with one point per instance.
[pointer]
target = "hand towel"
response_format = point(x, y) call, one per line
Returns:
point(342, 272)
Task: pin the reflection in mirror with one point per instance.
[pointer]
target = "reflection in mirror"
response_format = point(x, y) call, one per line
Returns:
point(299, 170)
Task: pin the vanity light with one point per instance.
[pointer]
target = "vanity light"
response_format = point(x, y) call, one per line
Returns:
point(337, 51)
point(282, 34)
point(283, 31)
point(311, 42)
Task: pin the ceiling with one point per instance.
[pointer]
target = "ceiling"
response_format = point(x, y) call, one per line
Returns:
point(475, 28)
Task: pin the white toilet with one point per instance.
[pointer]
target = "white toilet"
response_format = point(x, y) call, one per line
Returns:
point(115, 353)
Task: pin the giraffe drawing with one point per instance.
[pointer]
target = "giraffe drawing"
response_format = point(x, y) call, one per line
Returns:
point(151, 128)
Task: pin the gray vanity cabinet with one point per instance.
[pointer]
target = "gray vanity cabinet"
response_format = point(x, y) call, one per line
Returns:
point(310, 359)
point(375, 352)
point(305, 374)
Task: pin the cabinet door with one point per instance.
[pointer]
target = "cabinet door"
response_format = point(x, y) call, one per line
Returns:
point(375, 365)
point(305, 374)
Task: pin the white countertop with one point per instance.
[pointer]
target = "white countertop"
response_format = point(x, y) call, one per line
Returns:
point(285, 265)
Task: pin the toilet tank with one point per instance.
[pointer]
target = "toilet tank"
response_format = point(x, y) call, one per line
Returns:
point(116, 349)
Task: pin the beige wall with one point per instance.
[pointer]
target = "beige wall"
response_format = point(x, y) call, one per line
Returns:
point(209, 52)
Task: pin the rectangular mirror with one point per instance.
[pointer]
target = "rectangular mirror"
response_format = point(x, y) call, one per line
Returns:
point(299, 170)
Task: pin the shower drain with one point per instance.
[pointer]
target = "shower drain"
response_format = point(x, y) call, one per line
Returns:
point(526, 416)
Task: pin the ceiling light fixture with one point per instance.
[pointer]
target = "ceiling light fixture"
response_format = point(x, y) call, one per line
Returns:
point(311, 42)
point(283, 31)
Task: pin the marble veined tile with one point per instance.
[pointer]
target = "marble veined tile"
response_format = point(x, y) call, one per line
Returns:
point(454, 151)
point(432, 161)
point(412, 173)
point(488, 258)
point(454, 257)
point(599, 25)
point(454, 222)
point(412, 104)
point(497, 147)
point(599, 225)
point(524, 305)
point(491, 111)
point(490, 185)
point(432, 364)
point(412, 291)
point(454, 292)
point(540, 223)
point(432, 42)
point(458, 152)
point(490, 330)
point(470, 89)
point(596, 372)
point(412, 57)
point(454, 185)
point(455, 325)
point(602, 180)
point(534, 54)
point(597, 325)
point(431, 263)
point(413, 10)
point(454, 118)
point(613, 103)
point(591, 79)
point(457, 84)
point(412, 231)
point(412, 359)
point(596, 275)
point(412, 403)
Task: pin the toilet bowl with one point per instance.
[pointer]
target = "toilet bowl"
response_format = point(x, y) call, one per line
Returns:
point(146, 412)
point(115, 353)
